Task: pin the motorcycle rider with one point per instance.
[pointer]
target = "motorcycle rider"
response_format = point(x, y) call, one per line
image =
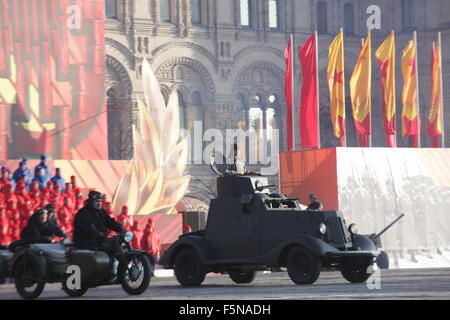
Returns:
point(92, 223)
point(39, 227)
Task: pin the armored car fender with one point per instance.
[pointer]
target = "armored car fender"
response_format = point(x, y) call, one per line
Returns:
point(198, 243)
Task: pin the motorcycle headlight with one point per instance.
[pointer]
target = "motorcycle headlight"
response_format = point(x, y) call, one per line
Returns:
point(323, 228)
point(353, 228)
point(128, 236)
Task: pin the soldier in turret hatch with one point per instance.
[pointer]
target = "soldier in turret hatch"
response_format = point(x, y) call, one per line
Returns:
point(315, 204)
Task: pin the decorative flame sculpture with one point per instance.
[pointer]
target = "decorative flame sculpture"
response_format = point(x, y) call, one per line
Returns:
point(155, 180)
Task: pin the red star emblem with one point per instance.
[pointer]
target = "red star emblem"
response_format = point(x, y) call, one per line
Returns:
point(337, 78)
point(384, 68)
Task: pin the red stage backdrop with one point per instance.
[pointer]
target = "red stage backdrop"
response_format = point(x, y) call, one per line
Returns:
point(52, 79)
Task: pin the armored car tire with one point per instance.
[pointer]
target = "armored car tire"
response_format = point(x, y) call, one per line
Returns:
point(303, 267)
point(189, 270)
point(135, 277)
point(358, 272)
point(241, 277)
point(26, 272)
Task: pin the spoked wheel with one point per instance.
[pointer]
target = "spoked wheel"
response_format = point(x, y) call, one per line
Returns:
point(302, 266)
point(135, 277)
point(189, 269)
point(26, 279)
point(75, 293)
point(358, 271)
point(241, 277)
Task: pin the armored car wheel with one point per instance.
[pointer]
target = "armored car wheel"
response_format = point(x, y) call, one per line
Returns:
point(242, 277)
point(188, 268)
point(135, 277)
point(357, 272)
point(25, 278)
point(302, 266)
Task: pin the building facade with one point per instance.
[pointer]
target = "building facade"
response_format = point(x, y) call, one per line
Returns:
point(226, 61)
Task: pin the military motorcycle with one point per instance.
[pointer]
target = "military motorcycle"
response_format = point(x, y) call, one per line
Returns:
point(34, 265)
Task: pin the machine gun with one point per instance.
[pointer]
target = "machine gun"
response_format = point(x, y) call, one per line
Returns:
point(375, 237)
point(382, 259)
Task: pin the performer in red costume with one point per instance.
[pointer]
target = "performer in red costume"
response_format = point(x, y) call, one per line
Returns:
point(9, 194)
point(151, 241)
point(123, 216)
point(107, 206)
point(34, 189)
point(68, 192)
point(187, 229)
point(25, 213)
point(137, 235)
point(73, 181)
point(4, 227)
point(22, 194)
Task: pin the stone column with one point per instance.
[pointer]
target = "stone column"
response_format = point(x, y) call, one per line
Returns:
point(181, 25)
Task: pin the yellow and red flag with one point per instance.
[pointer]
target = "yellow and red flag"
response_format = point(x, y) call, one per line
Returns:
point(336, 84)
point(360, 91)
point(410, 122)
point(385, 55)
point(435, 128)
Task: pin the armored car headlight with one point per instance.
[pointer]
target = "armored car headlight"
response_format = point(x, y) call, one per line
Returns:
point(323, 228)
point(128, 237)
point(353, 228)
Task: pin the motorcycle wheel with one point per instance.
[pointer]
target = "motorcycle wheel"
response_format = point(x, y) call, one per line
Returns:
point(74, 293)
point(135, 277)
point(27, 288)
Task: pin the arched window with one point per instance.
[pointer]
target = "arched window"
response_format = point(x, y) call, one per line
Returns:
point(348, 19)
point(191, 119)
point(273, 14)
point(322, 19)
point(111, 9)
point(410, 14)
point(245, 13)
point(165, 9)
point(196, 11)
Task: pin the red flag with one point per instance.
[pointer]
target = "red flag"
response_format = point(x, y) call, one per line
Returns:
point(289, 94)
point(308, 105)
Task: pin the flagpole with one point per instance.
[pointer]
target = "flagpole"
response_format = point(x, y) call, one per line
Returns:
point(292, 92)
point(343, 73)
point(317, 90)
point(417, 90)
point(442, 88)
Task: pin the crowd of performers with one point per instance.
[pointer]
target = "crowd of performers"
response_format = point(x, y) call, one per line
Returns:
point(23, 194)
